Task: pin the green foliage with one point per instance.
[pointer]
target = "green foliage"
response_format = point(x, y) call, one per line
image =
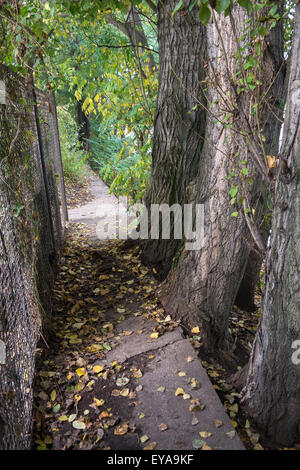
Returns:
point(69, 45)
point(204, 14)
point(129, 172)
point(118, 99)
point(104, 146)
point(72, 154)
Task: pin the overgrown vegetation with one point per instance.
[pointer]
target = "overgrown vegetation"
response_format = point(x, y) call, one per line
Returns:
point(73, 155)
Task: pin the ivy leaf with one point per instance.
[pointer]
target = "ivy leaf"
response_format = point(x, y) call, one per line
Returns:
point(204, 14)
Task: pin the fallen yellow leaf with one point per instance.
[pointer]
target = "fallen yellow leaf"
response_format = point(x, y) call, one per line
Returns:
point(98, 402)
point(195, 329)
point(121, 430)
point(150, 446)
point(154, 335)
point(97, 369)
point(205, 434)
point(81, 371)
point(206, 447)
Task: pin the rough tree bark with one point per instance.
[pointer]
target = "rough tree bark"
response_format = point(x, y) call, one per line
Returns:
point(272, 392)
point(202, 288)
point(246, 294)
point(178, 126)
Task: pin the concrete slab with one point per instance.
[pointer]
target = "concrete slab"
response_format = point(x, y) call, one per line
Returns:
point(137, 344)
point(88, 212)
point(171, 351)
point(165, 407)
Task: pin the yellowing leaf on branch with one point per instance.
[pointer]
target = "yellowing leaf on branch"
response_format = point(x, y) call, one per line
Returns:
point(271, 161)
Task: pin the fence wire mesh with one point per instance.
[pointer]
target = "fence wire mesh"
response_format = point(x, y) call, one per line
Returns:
point(32, 218)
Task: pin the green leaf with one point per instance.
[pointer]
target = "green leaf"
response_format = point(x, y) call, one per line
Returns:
point(245, 4)
point(178, 7)
point(222, 5)
point(250, 63)
point(273, 10)
point(234, 214)
point(204, 14)
point(233, 191)
point(263, 31)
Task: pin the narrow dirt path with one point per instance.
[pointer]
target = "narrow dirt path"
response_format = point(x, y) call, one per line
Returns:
point(117, 373)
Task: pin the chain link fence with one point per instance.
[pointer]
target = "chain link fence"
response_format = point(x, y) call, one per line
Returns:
point(32, 219)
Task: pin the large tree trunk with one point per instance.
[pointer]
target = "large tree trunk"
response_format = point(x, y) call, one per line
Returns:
point(246, 294)
point(272, 392)
point(203, 287)
point(179, 124)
